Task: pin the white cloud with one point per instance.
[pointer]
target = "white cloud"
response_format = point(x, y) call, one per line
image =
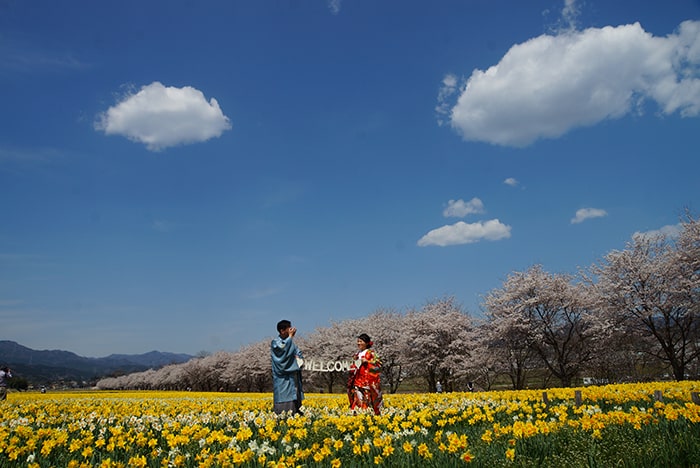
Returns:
point(511, 181)
point(460, 208)
point(570, 14)
point(588, 213)
point(448, 88)
point(463, 233)
point(670, 231)
point(334, 6)
point(40, 155)
point(551, 84)
point(29, 61)
point(161, 116)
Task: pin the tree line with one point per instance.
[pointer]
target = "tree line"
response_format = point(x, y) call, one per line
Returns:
point(632, 316)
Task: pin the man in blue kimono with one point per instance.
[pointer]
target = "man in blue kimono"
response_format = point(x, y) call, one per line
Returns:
point(287, 361)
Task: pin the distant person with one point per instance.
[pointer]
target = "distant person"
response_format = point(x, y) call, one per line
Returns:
point(470, 386)
point(5, 374)
point(287, 361)
point(364, 385)
point(438, 387)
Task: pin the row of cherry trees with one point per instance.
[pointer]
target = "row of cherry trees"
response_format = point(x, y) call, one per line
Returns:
point(634, 315)
point(430, 343)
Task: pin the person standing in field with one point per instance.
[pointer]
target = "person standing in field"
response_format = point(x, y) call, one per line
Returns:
point(364, 386)
point(5, 374)
point(287, 361)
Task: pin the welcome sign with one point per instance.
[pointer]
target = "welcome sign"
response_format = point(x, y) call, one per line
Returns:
point(315, 365)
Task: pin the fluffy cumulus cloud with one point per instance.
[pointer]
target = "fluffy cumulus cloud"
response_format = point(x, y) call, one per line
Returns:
point(460, 208)
point(465, 233)
point(551, 84)
point(588, 213)
point(511, 181)
point(163, 116)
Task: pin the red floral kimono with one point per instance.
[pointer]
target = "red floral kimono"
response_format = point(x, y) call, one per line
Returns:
point(364, 388)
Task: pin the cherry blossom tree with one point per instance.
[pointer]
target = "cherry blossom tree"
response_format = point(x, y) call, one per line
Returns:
point(196, 374)
point(484, 365)
point(619, 350)
point(438, 342)
point(688, 258)
point(503, 345)
point(546, 313)
point(250, 369)
point(169, 377)
point(652, 288)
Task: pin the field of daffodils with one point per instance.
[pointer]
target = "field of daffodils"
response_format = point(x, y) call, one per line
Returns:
point(650, 424)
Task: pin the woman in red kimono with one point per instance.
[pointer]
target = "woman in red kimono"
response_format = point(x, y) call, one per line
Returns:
point(364, 389)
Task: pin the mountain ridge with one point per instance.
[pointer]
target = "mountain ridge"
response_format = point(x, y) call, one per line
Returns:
point(43, 367)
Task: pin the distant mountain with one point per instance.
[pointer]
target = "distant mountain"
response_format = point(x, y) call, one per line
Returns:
point(151, 359)
point(52, 366)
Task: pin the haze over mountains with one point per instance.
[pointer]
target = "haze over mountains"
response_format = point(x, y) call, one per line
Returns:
point(44, 367)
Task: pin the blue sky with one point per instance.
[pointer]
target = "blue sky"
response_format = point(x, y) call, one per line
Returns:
point(181, 175)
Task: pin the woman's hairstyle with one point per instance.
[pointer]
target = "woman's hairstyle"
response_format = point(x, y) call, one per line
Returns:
point(365, 337)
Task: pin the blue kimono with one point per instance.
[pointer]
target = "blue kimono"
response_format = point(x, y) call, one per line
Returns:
point(286, 375)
